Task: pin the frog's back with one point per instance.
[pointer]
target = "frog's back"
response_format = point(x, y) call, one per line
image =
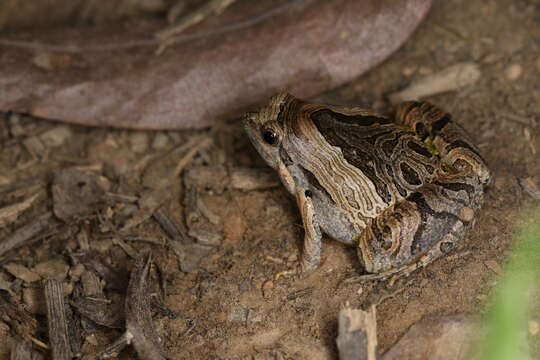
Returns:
point(364, 162)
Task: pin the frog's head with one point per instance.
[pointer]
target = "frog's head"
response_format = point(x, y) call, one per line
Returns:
point(267, 128)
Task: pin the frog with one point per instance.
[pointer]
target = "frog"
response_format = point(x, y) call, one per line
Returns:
point(403, 189)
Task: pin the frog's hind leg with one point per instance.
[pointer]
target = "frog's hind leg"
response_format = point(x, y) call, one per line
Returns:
point(418, 229)
point(447, 136)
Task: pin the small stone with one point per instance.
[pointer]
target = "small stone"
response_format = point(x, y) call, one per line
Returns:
point(492, 58)
point(34, 145)
point(102, 246)
point(51, 61)
point(161, 140)
point(408, 71)
point(57, 136)
point(244, 286)
point(221, 317)
point(267, 288)
point(22, 272)
point(139, 142)
point(537, 64)
point(77, 193)
point(466, 214)
point(34, 300)
point(513, 72)
point(238, 314)
point(234, 227)
point(534, 327)
point(76, 271)
point(56, 269)
point(91, 339)
point(255, 317)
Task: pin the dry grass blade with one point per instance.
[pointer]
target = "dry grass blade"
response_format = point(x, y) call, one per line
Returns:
point(138, 315)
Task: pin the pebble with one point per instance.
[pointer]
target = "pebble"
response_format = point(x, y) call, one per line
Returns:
point(56, 269)
point(34, 145)
point(238, 314)
point(76, 271)
point(513, 72)
point(56, 136)
point(537, 64)
point(244, 286)
point(408, 71)
point(139, 142)
point(22, 272)
point(267, 288)
point(161, 140)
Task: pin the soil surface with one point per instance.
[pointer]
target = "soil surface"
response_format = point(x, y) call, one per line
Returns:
point(227, 303)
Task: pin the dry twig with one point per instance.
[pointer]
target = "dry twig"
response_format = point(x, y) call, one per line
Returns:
point(57, 320)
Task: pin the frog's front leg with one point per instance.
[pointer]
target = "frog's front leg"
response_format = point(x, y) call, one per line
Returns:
point(311, 255)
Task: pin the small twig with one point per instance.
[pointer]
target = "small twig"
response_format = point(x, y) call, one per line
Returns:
point(121, 197)
point(215, 7)
point(126, 45)
point(161, 215)
point(57, 321)
point(517, 118)
point(11, 213)
point(126, 247)
point(300, 293)
point(21, 236)
point(229, 28)
point(39, 343)
point(20, 184)
point(389, 296)
point(141, 239)
point(187, 158)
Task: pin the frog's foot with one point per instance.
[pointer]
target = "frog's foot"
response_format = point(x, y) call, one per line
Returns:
point(397, 272)
point(302, 269)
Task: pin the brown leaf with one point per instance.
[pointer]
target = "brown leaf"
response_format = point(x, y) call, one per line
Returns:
point(220, 67)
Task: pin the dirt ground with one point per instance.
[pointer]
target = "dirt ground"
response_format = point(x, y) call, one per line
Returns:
point(231, 307)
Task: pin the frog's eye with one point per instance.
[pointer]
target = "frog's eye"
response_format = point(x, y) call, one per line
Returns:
point(270, 137)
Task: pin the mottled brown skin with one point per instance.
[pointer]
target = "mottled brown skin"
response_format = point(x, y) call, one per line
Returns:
point(403, 191)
